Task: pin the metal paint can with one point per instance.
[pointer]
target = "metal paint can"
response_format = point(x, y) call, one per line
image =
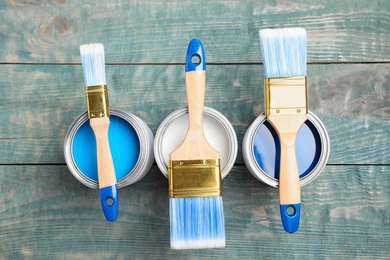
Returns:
point(218, 131)
point(131, 145)
point(261, 150)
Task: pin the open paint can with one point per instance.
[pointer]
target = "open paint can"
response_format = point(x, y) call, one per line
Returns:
point(261, 150)
point(218, 131)
point(131, 145)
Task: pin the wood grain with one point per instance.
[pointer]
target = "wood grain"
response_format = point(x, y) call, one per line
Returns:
point(47, 213)
point(195, 145)
point(352, 101)
point(159, 31)
point(106, 171)
point(287, 127)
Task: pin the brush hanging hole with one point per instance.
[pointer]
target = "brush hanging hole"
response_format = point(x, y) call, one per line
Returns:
point(291, 211)
point(110, 201)
point(196, 60)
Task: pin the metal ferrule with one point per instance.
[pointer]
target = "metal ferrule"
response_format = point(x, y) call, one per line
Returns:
point(285, 95)
point(194, 178)
point(97, 101)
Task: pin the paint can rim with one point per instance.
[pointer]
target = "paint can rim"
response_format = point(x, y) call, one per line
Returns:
point(144, 161)
point(260, 174)
point(208, 111)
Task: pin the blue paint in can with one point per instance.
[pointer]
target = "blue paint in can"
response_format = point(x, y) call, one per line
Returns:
point(124, 145)
point(267, 149)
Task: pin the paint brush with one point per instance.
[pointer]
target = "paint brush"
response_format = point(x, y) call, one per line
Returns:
point(93, 63)
point(284, 58)
point(195, 191)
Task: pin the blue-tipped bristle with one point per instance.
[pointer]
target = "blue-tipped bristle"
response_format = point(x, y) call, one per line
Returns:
point(284, 52)
point(197, 223)
point(92, 60)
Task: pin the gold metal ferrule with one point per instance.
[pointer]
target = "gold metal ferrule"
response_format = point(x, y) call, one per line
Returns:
point(285, 95)
point(97, 101)
point(194, 178)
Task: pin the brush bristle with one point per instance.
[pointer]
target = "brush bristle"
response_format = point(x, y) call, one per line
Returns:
point(197, 223)
point(93, 63)
point(284, 52)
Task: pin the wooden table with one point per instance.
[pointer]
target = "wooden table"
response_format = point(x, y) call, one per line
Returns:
point(45, 213)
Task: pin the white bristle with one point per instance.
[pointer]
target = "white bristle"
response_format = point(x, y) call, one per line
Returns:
point(197, 223)
point(93, 63)
point(284, 52)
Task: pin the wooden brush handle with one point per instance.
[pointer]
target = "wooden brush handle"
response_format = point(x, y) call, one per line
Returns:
point(287, 127)
point(106, 172)
point(195, 145)
point(195, 89)
point(195, 84)
point(289, 183)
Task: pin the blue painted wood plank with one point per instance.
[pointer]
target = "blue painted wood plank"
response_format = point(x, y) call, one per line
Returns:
point(39, 102)
point(47, 213)
point(159, 31)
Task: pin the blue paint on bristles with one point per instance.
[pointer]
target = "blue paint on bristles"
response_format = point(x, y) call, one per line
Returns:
point(93, 63)
point(284, 52)
point(197, 223)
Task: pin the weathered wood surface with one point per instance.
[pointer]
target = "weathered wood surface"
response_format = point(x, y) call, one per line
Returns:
point(155, 31)
point(353, 102)
point(45, 213)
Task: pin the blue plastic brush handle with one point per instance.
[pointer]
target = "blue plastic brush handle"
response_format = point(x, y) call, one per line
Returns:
point(290, 220)
point(195, 48)
point(109, 200)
